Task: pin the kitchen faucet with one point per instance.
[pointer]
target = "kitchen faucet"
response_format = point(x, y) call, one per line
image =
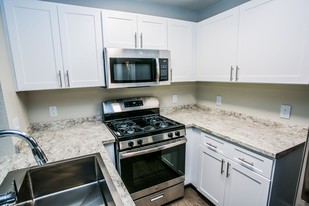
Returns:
point(37, 152)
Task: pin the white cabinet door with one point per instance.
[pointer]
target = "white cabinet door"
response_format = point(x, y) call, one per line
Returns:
point(35, 44)
point(152, 32)
point(211, 176)
point(119, 29)
point(181, 43)
point(82, 48)
point(273, 41)
point(217, 47)
point(129, 30)
point(244, 187)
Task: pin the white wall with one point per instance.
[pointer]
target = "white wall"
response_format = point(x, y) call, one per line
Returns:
point(261, 100)
point(73, 103)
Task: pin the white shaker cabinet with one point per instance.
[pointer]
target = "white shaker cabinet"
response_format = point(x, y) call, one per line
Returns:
point(53, 45)
point(129, 30)
point(181, 43)
point(261, 41)
point(217, 47)
point(274, 41)
point(232, 176)
point(82, 48)
point(35, 44)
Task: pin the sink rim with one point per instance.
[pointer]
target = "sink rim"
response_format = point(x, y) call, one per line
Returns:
point(20, 174)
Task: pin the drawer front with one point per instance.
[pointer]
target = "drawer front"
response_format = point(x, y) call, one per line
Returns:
point(253, 161)
point(216, 144)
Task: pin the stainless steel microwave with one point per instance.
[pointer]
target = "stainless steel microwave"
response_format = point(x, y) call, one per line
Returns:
point(136, 67)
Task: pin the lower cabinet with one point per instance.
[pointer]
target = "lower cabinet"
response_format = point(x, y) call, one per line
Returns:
point(225, 182)
point(230, 175)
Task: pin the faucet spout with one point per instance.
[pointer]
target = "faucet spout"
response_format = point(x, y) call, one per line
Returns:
point(37, 152)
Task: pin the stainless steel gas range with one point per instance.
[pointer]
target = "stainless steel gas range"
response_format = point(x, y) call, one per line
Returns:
point(150, 149)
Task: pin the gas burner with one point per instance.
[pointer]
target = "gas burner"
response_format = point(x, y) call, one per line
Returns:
point(130, 130)
point(123, 124)
point(153, 119)
point(161, 124)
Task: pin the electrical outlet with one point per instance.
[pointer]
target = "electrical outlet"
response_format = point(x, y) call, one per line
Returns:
point(218, 100)
point(53, 111)
point(174, 98)
point(285, 111)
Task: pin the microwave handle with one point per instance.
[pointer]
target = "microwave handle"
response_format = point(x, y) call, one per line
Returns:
point(158, 70)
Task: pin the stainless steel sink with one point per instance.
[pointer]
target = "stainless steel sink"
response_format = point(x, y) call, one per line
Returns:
point(78, 181)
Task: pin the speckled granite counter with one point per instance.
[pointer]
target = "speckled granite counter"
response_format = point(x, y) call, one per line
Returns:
point(266, 137)
point(67, 139)
point(78, 137)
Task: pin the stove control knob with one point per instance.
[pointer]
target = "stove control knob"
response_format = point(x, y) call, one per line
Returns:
point(140, 141)
point(177, 133)
point(170, 134)
point(130, 143)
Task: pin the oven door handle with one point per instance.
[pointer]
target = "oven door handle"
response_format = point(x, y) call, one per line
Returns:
point(155, 149)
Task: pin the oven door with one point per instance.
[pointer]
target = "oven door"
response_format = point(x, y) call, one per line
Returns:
point(153, 168)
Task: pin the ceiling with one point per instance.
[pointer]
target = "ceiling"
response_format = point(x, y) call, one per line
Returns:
point(195, 5)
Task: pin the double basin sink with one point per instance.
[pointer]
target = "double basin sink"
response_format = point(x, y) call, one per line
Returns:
point(79, 181)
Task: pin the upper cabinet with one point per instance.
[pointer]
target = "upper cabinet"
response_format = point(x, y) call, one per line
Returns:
point(54, 46)
point(217, 47)
point(263, 41)
point(128, 30)
point(181, 43)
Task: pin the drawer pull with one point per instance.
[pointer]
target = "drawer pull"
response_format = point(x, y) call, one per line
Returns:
point(243, 160)
point(214, 146)
point(157, 197)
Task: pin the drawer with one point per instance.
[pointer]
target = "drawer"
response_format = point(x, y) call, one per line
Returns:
point(253, 161)
point(216, 144)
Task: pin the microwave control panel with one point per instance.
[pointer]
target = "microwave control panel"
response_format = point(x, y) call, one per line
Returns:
point(163, 64)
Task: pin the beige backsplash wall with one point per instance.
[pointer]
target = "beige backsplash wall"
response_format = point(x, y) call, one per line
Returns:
point(73, 103)
point(262, 100)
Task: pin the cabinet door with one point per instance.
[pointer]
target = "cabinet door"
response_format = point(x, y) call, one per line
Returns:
point(152, 32)
point(211, 176)
point(35, 43)
point(82, 48)
point(244, 187)
point(273, 41)
point(217, 47)
point(119, 29)
point(192, 146)
point(181, 43)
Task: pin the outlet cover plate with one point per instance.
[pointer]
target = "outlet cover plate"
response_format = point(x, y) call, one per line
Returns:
point(53, 111)
point(218, 100)
point(285, 111)
point(174, 98)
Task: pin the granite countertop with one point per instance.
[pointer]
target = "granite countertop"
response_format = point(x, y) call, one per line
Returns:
point(269, 138)
point(72, 138)
point(68, 139)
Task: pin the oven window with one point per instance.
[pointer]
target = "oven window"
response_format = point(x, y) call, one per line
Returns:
point(147, 170)
point(128, 70)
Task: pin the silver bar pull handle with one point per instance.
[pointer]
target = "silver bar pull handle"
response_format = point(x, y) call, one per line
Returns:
point(227, 170)
point(68, 78)
point(157, 197)
point(213, 146)
point(59, 73)
point(237, 73)
point(222, 164)
point(135, 39)
point(231, 73)
point(141, 40)
point(245, 161)
point(158, 70)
